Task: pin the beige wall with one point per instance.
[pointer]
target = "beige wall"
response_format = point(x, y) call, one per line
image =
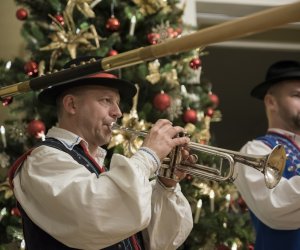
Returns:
point(11, 43)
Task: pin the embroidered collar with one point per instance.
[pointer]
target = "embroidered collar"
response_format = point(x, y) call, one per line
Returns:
point(70, 140)
point(291, 136)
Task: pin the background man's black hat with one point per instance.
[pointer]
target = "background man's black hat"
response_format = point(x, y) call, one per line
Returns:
point(277, 72)
point(126, 89)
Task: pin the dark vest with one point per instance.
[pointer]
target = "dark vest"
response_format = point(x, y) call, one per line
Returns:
point(37, 239)
point(266, 237)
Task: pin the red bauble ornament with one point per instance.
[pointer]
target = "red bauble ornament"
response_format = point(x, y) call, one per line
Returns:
point(161, 101)
point(209, 112)
point(195, 63)
point(36, 128)
point(170, 31)
point(250, 246)
point(242, 204)
point(21, 14)
point(7, 100)
point(113, 24)
point(173, 33)
point(60, 19)
point(190, 115)
point(214, 99)
point(189, 177)
point(178, 30)
point(112, 52)
point(153, 38)
point(31, 68)
point(15, 212)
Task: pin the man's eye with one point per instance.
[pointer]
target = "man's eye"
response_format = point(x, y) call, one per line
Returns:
point(106, 100)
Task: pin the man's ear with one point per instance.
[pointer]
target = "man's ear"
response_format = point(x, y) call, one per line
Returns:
point(270, 102)
point(69, 103)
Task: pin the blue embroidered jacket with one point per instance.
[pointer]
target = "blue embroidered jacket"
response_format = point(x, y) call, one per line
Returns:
point(266, 237)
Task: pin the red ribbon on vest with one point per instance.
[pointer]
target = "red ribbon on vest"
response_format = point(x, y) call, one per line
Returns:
point(16, 165)
point(101, 169)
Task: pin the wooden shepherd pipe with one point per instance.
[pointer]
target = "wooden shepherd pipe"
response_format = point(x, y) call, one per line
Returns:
point(240, 27)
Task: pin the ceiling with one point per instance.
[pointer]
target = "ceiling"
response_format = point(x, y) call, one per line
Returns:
point(213, 12)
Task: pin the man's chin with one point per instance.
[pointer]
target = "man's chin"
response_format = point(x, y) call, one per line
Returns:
point(107, 139)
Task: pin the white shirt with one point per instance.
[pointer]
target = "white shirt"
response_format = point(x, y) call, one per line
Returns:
point(279, 208)
point(83, 211)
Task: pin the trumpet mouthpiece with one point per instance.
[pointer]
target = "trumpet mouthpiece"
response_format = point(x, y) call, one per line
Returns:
point(114, 126)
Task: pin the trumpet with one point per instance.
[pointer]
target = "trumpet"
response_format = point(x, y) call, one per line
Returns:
point(270, 165)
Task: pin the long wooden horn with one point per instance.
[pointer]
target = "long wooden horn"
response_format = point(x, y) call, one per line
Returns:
point(244, 26)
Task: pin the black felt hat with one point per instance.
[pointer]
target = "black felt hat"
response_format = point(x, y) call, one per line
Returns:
point(126, 89)
point(277, 72)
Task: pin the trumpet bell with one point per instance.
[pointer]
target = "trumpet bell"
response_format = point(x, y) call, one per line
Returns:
point(274, 166)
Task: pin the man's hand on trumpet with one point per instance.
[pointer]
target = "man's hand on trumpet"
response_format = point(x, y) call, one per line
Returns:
point(162, 139)
point(180, 175)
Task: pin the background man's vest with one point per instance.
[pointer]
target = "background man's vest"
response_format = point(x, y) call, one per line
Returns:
point(266, 237)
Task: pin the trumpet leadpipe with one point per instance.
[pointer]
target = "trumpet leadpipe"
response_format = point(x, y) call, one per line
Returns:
point(115, 126)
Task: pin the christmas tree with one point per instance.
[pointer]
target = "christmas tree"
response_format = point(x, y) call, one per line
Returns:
point(173, 87)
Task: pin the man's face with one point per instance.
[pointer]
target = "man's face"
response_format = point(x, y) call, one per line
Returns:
point(96, 108)
point(287, 96)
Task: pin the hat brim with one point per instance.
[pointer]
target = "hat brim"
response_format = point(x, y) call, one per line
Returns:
point(261, 89)
point(127, 90)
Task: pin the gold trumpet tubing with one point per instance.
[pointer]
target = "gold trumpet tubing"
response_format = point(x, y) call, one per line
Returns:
point(271, 165)
point(211, 172)
point(174, 159)
point(202, 171)
point(257, 162)
point(244, 26)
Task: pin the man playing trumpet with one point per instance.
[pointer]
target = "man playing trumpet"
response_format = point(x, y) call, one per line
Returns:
point(68, 200)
